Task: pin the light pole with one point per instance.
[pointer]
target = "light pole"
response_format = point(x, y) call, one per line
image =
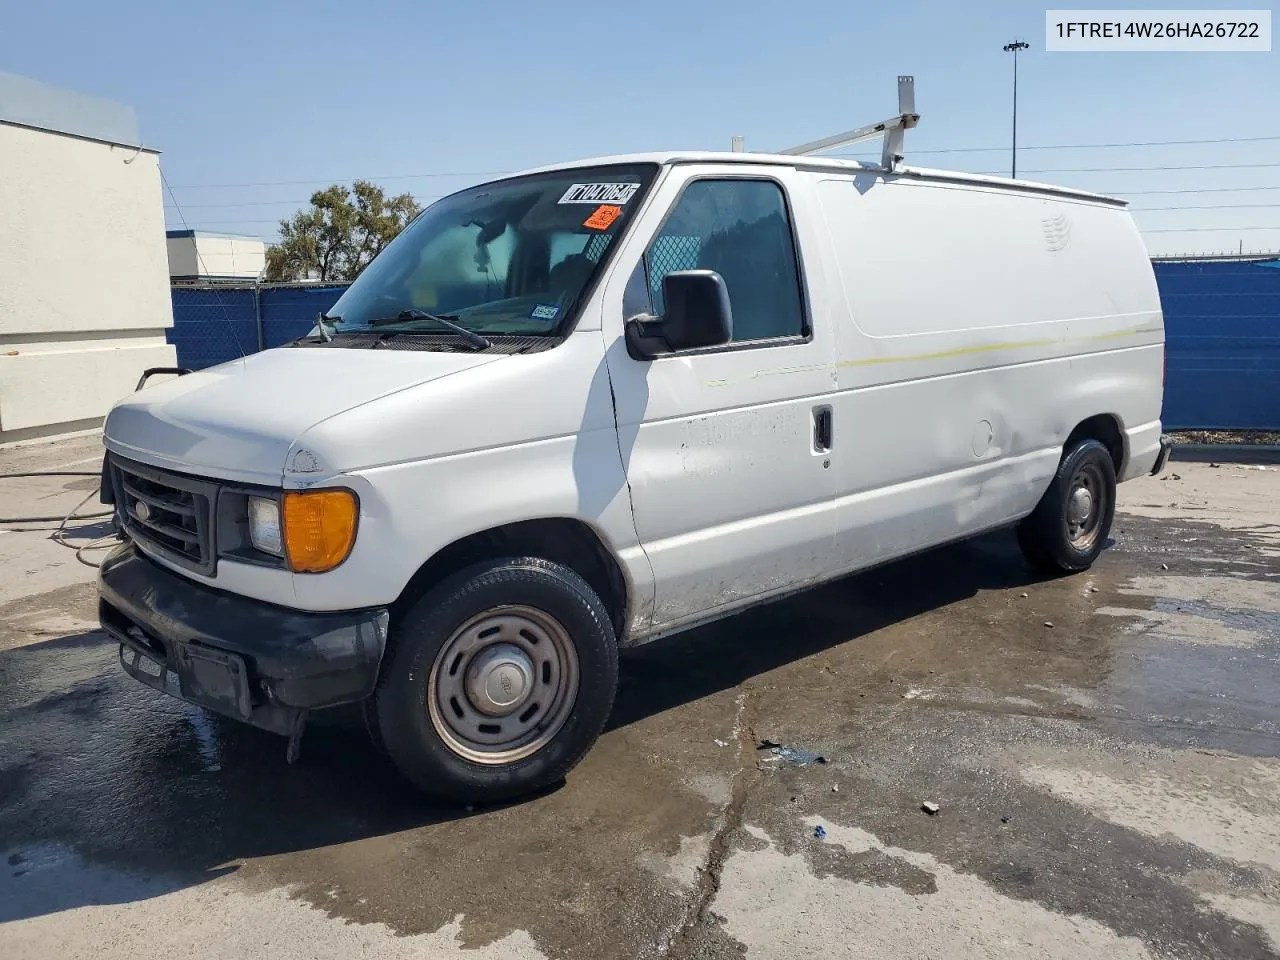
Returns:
point(1014, 48)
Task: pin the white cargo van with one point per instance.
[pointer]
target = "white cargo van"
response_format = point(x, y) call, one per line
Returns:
point(588, 406)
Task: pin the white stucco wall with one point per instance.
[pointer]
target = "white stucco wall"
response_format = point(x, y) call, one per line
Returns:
point(84, 279)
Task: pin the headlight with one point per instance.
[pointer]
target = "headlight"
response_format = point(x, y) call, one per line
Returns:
point(264, 526)
point(319, 528)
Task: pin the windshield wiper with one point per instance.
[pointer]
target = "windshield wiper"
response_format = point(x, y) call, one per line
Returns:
point(473, 338)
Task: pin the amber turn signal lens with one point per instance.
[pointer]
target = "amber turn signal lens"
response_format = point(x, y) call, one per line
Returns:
point(319, 529)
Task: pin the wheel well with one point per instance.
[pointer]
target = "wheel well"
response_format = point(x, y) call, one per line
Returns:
point(564, 541)
point(1106, 430)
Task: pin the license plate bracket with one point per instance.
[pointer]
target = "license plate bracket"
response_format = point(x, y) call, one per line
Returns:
point(214, 679)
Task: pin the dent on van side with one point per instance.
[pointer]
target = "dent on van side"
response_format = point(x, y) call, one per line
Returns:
point(596, 404)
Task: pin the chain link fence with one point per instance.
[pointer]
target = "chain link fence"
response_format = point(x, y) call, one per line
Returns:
point(216, 323)
point(212, 325)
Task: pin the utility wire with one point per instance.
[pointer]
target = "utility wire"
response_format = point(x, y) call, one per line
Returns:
point(1208, 229)
point(1189, 166)
point(1211, 206)
point(231, 328)
point(1205, 166)
point(938, 150)
point(242, 220)
point(1070, 146)
point(1144, 193)
point(1102, 146)
point(293, 183)
point(271, 203)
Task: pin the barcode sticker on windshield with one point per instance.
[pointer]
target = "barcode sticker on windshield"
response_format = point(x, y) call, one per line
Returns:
point(618, 193)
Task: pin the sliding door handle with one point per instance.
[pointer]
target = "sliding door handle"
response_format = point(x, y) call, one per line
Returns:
point(822, 429)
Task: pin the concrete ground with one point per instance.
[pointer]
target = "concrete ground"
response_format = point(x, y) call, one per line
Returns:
point(1104, 750)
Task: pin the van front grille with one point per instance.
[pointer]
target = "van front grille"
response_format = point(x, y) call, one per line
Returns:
point(167, 512)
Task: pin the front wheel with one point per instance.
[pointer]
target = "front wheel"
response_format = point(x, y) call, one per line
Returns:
point(1069, 526)
point(498, 681)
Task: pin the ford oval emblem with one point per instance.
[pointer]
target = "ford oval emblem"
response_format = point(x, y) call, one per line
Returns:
point(141, 510)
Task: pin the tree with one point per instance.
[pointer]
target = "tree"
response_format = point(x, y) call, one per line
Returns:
point(336, 237)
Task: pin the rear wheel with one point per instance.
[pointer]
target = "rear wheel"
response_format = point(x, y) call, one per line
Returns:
point(498, 681)
point(1069, 526)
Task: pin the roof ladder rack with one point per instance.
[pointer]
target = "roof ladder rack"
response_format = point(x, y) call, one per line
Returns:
point(891, 131)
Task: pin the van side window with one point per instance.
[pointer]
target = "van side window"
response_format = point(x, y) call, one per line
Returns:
point(740, 229)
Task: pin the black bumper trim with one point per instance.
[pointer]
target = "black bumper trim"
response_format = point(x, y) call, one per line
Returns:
point(292, 660)
point(1166, 448)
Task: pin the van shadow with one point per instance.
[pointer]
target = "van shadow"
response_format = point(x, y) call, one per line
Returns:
point(111, 792)
point(689, 666)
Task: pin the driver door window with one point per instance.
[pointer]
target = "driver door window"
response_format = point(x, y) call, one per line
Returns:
point(741, 229)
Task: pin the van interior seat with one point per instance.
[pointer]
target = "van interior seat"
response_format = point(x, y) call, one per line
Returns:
point(569, 276)
point(758, 268)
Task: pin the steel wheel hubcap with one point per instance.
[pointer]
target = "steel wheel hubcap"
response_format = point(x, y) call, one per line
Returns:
point(499, 679)
point(1080, 506)
point(503, 685)
point(1084, 507)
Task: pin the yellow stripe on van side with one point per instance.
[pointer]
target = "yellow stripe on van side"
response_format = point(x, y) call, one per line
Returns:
point(987, 348)
point(942, 354)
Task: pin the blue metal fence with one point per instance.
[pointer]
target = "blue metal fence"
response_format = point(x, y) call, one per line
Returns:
point(289, 312)
point(1222, 333)
point(1222, 344)
point(212, 325)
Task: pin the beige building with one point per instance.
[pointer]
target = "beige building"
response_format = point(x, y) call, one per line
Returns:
point(198, 256)
point(84, 277)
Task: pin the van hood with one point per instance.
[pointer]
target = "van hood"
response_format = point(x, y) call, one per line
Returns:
point(237, 421)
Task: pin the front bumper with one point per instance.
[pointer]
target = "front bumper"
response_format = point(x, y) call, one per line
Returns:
point(263, 664)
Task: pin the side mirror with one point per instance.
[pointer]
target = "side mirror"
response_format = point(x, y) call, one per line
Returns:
point(697, 315)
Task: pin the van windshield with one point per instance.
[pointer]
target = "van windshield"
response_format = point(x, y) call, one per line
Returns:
point(510, 257)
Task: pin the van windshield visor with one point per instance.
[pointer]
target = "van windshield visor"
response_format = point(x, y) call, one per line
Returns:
point(512, 257)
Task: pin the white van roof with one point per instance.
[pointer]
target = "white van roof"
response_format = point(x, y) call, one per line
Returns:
point(829, 163)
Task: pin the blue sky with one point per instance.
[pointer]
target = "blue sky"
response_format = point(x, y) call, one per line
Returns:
point(254, 105)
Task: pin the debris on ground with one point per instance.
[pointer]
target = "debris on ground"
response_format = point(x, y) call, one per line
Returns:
point(1164, 566)
point(930, 807)
point(721, 743)
point(1005, 819)
point(835, 788)
point(1048, 623)
point(1225, 436)
point(791, 754)
point(1023, 593)
point(1174, 476)
point(819, 832)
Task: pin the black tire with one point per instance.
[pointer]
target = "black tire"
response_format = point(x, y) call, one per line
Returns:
point(400, 713)
point(1045, 536)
